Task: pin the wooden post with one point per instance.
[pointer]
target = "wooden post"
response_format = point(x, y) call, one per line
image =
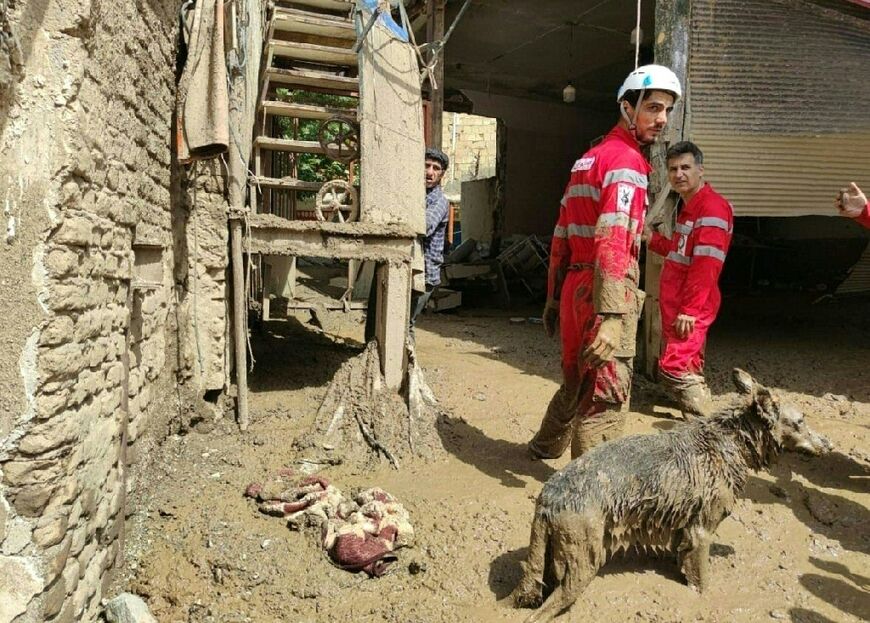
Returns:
point(393, 283)
point(435, 32)
point(673, 28)
point(240, 325)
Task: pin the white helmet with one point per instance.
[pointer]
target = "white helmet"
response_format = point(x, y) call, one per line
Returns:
point(651, 78)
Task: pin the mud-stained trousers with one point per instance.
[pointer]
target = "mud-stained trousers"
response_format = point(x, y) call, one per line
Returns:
point(681, 365)
point(589, 407)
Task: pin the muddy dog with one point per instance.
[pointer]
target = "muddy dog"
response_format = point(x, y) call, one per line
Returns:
point(667, 491)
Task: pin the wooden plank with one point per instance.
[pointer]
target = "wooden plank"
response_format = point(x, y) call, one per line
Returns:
point(328, 5)
point(302, 22)
point(393, 282)
point(435, 32)
point(312, 53)
point(289, 145)
point(309, 78)
point(391, 111)
point(305, 111)
point(287, 184)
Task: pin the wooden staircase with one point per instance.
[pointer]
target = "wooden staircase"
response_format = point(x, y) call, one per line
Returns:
point(308, 53)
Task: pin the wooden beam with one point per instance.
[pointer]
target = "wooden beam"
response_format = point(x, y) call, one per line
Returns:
point(393, 282)
point(240, 324)
point(672, 46)
point(286, 184)
point(435, 32)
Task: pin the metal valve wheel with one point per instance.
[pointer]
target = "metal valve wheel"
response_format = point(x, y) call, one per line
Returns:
point(339, 137)
point(337, 200)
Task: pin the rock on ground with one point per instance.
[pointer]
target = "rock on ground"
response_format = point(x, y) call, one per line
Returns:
point(128, 608)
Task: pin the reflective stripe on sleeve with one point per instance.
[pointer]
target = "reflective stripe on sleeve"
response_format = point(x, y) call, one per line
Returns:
point(679, 259)
point(709, 251)
point(560, 232)
point(582, 190)
point(683, 228)
point(613, 218)
point(713, 221)
point(581, 231)
point(625, 175)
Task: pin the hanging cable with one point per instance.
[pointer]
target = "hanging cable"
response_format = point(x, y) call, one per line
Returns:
point(637, 36)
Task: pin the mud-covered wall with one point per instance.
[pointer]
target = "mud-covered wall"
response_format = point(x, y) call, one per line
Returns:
point(543, 141)
point(88, 295)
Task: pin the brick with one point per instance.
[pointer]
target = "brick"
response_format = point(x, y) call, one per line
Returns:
point(61, 261)
point(54, 529)
point(54, 598)
point(75, 231)
point(57, 330)
point(31, 499)
point(66, 360)
point(49, 436)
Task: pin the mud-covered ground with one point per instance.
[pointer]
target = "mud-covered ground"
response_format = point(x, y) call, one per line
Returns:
point(795, 549)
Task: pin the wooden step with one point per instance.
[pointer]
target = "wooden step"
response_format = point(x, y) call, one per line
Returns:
point(286, 183)
point(290, 145)
point(310, 78)
point(326, 5)
point(305, 111)
point(312, 53)
point(294, 21)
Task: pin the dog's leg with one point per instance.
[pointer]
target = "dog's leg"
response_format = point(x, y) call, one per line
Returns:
point(578, 552)
point(529, 592)
point(693, 554)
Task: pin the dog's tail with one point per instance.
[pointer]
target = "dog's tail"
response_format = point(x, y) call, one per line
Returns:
point(529, 593)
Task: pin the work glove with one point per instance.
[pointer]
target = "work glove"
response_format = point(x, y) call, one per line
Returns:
point(551, 317)
point(851, 201)
point(606, 341)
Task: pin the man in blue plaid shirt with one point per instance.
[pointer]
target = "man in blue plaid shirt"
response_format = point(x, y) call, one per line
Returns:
point(437, 210)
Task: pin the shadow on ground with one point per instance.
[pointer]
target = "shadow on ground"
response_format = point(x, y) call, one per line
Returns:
point(498, 458)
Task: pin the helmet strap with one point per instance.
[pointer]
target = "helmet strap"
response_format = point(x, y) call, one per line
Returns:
point(632, 121)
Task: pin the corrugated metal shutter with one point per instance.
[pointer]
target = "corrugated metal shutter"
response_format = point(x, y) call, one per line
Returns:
point(779, 100)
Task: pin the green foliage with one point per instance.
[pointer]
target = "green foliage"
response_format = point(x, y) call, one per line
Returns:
point(312, 167)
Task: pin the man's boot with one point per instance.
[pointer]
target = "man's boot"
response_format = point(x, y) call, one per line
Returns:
point(691, 393)
point(596, 428)
point(553, 438)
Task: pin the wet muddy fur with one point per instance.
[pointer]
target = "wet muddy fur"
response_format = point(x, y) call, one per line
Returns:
point(667, 491)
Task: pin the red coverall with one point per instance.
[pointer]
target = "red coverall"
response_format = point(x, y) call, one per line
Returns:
point(864, 217)
point(593, 270)
point(694, 257)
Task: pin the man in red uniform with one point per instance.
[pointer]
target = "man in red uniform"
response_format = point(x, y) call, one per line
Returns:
point(592, 289)
point(689, 296)
point(852, 203)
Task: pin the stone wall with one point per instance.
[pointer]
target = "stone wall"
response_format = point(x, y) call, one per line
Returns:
point(95, 219)
point(470, 143)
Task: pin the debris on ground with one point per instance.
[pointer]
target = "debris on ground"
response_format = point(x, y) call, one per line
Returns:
point(128, 608)
point(359, 534)
point(359, 405)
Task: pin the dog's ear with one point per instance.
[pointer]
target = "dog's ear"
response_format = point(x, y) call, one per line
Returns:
point(743, 381)
point(766, 406)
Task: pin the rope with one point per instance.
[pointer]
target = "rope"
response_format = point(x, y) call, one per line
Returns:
point(637, 36)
